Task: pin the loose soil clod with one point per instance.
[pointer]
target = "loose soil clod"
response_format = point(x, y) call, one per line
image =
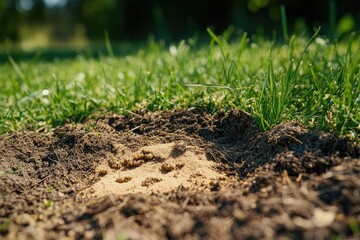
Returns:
point(289, 182)
point(123, 179)
point(149, 181)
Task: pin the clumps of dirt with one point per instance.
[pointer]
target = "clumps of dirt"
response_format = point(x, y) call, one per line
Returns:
point(150, 181)
point(36, 168)
point(140, 158)
point(314, 152)
point(168, 167)
point(182, 125)
point(123, 179)
point(293, 148)
point(175, 175)
point(340, 186)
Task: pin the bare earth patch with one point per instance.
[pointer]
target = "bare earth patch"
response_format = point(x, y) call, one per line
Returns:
point(155, 169)
point(178, 175)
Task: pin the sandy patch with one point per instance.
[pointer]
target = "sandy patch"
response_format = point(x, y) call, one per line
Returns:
point(156, 169)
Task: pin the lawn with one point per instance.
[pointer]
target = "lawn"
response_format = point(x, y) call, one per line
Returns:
point(308, 79)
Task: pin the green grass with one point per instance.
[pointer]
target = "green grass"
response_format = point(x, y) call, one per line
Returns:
point(309, 79)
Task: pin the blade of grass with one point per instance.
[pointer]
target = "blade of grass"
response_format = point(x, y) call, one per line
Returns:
point(108, 44)
point(284, 23)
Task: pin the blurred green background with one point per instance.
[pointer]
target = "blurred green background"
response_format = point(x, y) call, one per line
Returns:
point(30, 24)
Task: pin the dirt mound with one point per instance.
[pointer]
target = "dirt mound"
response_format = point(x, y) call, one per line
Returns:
point(157, 168)
point(181, 174)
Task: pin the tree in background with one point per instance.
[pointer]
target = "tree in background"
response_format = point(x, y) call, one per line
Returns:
point(170, 20)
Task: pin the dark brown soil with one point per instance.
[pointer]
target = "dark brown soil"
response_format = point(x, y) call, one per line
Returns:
point(289, 182)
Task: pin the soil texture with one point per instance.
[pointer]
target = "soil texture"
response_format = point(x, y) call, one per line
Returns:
point(183, 174)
